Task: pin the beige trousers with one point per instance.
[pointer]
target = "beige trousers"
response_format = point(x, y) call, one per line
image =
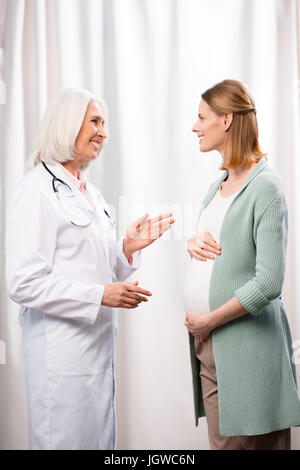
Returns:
point(278, 440)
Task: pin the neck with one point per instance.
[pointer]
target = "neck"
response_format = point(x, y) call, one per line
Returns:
point(238, 174)
point(72, 167)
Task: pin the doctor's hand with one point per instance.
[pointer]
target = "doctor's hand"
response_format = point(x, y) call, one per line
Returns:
point(198, 325)
point(201, 244)
point(142, 232)
point(123, 295)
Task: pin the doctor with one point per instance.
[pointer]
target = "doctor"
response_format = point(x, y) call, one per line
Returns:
point(67, 271)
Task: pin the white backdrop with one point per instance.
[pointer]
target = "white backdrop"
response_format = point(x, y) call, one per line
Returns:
point(150, 60)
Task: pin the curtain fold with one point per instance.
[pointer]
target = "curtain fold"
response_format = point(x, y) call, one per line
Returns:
point(150, 61)
point(12, 140)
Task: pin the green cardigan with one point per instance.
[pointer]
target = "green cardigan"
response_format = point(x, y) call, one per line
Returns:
point(257, 385)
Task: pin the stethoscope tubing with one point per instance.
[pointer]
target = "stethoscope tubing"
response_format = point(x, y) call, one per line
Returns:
point(54, 179)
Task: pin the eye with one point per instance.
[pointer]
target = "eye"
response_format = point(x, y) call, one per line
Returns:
point(96, 120)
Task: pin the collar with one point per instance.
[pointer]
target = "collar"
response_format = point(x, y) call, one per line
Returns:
point(261, 165)
point(79, 182)
point(60, 172)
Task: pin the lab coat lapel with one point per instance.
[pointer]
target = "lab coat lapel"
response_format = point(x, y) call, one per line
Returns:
point(80, 198)
point(98, 220)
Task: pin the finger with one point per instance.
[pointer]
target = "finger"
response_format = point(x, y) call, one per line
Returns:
point(214, 243)
point(126, 305)
point(156, 231)
point(207, 247)
point(140, 298)
point(211, 241)
point(163, 225)
point(128, 300)
point(207, 255)
point(138, 289)
point(160, 217)
point(214, 249)
point(200, 258)
point(198, 252)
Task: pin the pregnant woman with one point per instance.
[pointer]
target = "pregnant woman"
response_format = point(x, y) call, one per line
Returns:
point(244, 378)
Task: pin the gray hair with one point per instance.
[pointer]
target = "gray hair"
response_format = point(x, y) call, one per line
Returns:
point(60, 126)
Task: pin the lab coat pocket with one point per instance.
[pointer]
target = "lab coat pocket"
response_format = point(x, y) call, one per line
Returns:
point(72, 349)
point(82, 406)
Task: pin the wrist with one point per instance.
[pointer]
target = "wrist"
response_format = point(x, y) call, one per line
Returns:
point(127, 248)
point(211, 320)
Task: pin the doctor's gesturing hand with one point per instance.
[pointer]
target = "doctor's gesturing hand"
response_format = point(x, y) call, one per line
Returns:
point(140, 233)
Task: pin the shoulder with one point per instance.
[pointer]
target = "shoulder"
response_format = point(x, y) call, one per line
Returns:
point(34, 179)
point(35, 186)
point(268, 191)
point(268, 183)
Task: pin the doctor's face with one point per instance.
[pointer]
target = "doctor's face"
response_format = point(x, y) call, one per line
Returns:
point(90, 139)
point(210, 128)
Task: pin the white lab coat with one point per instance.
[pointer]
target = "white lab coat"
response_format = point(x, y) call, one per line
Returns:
point(57, 271)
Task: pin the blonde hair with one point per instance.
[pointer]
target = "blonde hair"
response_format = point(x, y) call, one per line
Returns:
point(60, 126)
point(242, 146)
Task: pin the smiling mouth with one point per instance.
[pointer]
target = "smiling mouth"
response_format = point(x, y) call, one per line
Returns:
point(95, 144)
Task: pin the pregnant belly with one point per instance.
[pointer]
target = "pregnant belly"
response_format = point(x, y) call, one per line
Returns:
point(196, 286)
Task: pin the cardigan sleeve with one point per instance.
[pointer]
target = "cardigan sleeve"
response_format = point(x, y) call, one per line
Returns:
point(271, 242)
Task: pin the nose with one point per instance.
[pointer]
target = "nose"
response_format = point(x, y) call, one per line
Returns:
point(101, 132)
point(195, 129)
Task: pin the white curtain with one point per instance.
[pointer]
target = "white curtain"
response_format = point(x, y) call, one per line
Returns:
point(150, 60)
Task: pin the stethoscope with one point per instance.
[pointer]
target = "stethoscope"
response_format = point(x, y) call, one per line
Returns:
point(77, 215)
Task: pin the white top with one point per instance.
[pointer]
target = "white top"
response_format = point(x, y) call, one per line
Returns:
point(197, 279)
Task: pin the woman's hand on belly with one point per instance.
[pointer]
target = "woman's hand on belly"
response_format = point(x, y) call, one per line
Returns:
point(201, 244)
point(198, 325)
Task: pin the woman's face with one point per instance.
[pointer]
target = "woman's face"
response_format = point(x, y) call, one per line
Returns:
point(211, 128)
point(90, 139)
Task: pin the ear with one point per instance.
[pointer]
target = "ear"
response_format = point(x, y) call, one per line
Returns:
point(228, 118)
